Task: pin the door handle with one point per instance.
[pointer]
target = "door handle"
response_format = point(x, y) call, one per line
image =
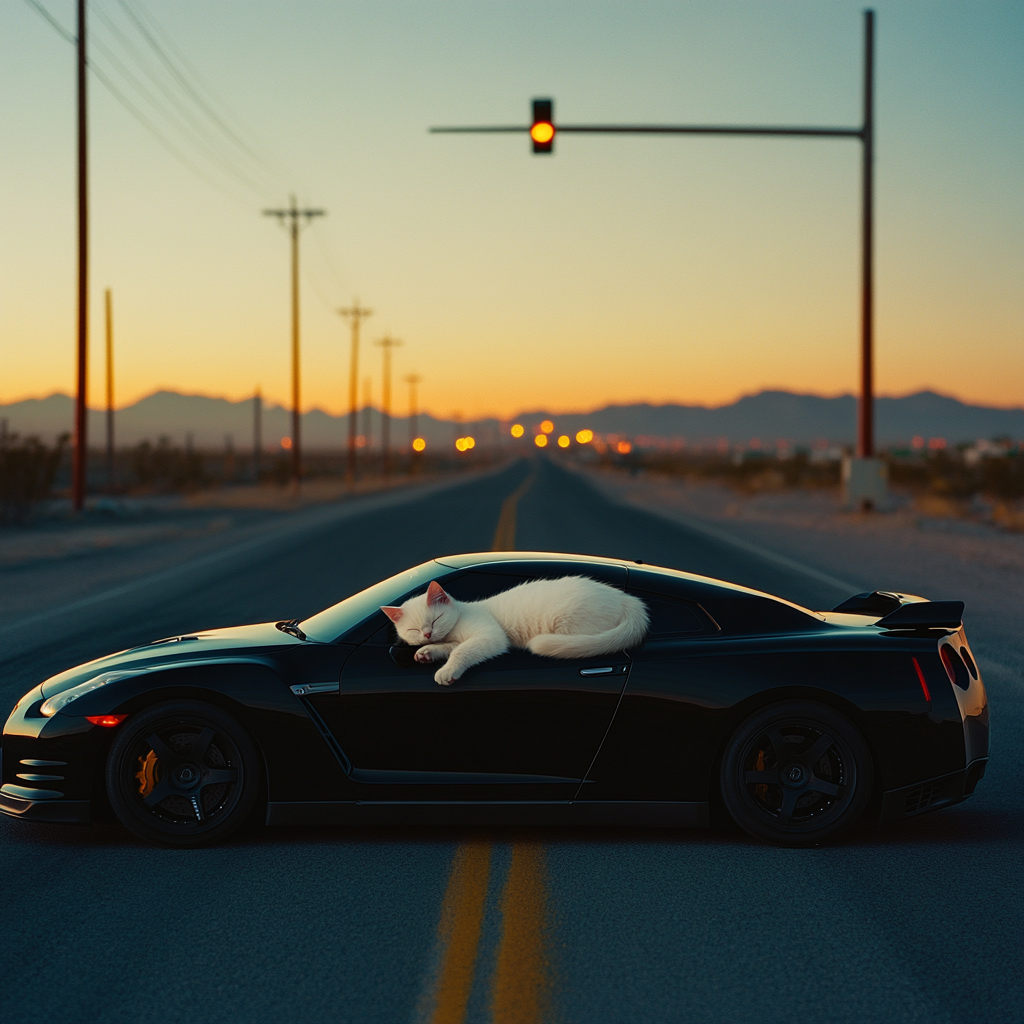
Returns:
point(604, 670)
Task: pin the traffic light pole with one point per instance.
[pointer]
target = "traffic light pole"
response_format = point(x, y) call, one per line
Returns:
point(543, 132)
point(355, 313)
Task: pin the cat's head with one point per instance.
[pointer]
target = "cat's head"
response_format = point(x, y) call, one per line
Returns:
point(426, 619)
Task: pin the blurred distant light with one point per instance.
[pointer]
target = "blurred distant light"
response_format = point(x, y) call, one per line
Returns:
point(419, 444)
point(585, 436)
point(286, 443)
point(469, 442)
point(542, 132)
point(918, 442)
point(624, 447)
point(517, 430)
point(936, 444)
point(547, 426)
point(541, 441)
point(360, 441)
point(460, 443)
point(563, 441)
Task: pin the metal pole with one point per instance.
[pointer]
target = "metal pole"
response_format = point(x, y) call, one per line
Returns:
point(387, 344)
point(110, 392)
point(257, 434)
point(866, 411)
point(81, 421)
point(296, 424)
point(356, 314)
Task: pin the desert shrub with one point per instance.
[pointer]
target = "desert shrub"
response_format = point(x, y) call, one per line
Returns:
point(27, 471)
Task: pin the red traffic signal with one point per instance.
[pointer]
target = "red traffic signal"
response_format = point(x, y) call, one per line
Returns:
point(542, 130)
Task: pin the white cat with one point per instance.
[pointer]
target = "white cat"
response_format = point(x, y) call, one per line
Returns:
point(571, 617)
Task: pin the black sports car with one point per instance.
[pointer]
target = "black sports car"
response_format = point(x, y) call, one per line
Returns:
point(793, 722)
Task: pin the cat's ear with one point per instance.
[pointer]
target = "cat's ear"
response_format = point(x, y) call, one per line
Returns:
point(435, 595)
point(394, 614)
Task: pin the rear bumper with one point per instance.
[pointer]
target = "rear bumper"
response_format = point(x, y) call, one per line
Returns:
point(67, 812)
point(932, 794)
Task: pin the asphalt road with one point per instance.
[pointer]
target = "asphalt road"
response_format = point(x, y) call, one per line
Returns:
point(916, 922)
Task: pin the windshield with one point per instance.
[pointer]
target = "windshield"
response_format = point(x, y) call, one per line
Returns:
point(326, 626)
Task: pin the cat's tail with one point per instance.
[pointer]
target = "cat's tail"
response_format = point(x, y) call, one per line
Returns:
point(626, 634)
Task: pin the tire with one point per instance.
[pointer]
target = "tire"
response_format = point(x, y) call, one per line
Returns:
point(796, 774)
point(168, 793)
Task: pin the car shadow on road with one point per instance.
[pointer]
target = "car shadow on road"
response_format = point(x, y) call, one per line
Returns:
point(958, 826)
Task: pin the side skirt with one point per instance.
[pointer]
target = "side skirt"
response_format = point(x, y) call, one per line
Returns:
point(647, 813)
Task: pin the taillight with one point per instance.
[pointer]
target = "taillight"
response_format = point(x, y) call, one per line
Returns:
point(921, 680)
point(954, 665)
point(108, 721)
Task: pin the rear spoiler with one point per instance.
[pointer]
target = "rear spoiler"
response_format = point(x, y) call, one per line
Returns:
point(925, 615)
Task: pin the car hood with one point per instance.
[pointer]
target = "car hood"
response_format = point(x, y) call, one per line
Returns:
point(175, 650)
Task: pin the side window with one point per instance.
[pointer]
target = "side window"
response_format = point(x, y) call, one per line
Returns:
point(671, 617)
point(470, 586)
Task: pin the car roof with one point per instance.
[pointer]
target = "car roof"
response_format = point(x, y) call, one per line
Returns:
point(481, 559)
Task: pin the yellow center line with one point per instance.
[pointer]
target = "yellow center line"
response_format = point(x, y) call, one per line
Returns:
point(505, 534)
point(458, 932)
point(522, 982)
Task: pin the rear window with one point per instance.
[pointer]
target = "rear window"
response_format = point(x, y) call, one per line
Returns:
point(670, 617)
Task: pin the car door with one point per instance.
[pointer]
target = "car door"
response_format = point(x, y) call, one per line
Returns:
point(519, 727)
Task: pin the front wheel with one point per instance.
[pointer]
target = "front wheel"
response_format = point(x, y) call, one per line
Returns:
point(182, 773)
point(796, 774)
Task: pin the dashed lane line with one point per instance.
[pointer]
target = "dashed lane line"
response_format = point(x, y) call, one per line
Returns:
point(505, 534)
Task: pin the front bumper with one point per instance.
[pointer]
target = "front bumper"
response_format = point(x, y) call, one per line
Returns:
point(67, 812)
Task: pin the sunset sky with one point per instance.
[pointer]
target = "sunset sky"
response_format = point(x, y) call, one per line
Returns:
point(619, 270)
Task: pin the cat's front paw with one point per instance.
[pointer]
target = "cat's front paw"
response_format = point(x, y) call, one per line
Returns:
point(423, 655)
point(445, 676)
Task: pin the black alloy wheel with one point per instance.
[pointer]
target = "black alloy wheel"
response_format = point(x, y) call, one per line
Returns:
point(796, 774)
point(182, 773)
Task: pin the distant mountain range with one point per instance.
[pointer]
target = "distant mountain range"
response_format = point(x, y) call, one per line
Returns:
point(768, 416)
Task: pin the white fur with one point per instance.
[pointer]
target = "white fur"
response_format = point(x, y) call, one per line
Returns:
point(571, 617)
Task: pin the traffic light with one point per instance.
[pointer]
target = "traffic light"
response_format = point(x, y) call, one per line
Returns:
point(542, 131)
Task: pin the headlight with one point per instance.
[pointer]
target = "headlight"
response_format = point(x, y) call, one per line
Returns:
point(54, 704)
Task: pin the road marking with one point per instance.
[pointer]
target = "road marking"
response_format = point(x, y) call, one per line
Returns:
point(505, 534)
point(521, 985)
point(458, 933)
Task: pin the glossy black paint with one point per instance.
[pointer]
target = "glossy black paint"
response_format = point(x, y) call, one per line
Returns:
point(634, 737)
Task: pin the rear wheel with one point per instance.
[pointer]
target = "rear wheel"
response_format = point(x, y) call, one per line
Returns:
point(182, 773)
point(796, 774)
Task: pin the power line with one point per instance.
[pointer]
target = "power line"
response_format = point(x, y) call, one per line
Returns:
point(205, 139)
point(192, 90)
point(41, 10)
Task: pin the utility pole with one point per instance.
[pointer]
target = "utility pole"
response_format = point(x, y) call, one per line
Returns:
point(355, 314)
point(294, 218)
point(367, 412)
point(257, 434)
point(866, 408)
point(110, 393)
point(413, 379)
point(81, 412)
point(387, 344)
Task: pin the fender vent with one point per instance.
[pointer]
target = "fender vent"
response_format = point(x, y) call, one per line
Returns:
point(919, 799)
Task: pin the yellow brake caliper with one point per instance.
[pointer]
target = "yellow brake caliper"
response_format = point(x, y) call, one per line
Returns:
point(148, 774)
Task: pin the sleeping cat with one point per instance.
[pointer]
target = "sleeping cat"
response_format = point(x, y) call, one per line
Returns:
point(571, 617)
